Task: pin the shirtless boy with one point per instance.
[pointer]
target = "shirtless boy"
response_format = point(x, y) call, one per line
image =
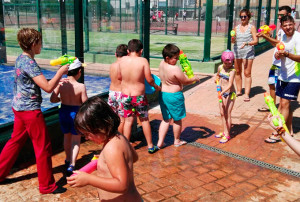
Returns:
point(72, 95)
point(114, 97)
point(134, 69)
point(171, 98)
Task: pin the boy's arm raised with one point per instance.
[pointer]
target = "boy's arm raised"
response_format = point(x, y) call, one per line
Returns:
point(183, 79)
point(48, 86)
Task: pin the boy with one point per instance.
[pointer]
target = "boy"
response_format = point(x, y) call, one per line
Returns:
point(114, 97)
point(72, 95)
point(133, 71)
point(171, 98)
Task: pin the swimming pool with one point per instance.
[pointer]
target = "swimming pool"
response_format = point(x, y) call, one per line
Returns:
point(94, 85)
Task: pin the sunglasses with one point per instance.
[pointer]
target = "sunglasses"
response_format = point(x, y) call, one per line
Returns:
point(243, 16)
point(281, 15)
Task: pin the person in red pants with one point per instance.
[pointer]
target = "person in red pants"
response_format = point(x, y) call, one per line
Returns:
point(29, 120)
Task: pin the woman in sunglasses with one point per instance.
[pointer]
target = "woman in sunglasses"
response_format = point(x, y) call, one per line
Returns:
point(243, 49)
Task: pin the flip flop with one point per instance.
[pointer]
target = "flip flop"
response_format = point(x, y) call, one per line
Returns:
point(182, 142)
point(263, 109)
point(246, 99)
point(272, 140)
point(239, 94)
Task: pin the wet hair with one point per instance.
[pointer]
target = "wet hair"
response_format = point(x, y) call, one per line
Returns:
point(248, 13)
point(27, 37)
point(135, 45)
point(286, 18)
point(96, 116)
point(74, 72)
point(121, 50)
point(170, 50)
point(286, 8)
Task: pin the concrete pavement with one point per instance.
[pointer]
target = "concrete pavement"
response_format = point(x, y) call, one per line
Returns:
point(244, 169)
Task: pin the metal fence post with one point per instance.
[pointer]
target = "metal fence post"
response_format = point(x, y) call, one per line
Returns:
point(79, 33)
point(146, 30)
point(207, 32)
point(276, 17)
point(166, 19)
point(268, 12)
point(63, 27)
point(259, 14)
point(3, 56)
point(230, 24)
point(38, 15)
point(86, 26)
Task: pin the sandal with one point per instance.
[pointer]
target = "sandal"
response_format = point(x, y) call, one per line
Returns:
point(225, 139)
point(221, 134)
point(246, 99)
point(272, 140)
point(70, 170)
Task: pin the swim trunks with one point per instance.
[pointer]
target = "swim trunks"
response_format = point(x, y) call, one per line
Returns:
point(231, 94)
point(114, 101)
point(67, 115)
point(134, 105)
point(172, 105)
point(287, 90)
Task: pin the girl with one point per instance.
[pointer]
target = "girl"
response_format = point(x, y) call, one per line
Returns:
point(244, 52)
point(114, 180)
point(225, 75)
point(26, 105)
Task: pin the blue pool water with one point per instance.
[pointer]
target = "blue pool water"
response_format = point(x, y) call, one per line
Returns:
point(94, 85)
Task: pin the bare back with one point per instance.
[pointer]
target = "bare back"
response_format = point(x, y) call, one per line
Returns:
point(134, 70)
point(115, 84)
point(107, 163)
point(171, 77)
point(72, 93)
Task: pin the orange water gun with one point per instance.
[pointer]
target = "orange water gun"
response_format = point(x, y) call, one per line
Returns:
point(280, 46)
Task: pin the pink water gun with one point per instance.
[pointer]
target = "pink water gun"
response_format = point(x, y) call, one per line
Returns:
point(90, 167)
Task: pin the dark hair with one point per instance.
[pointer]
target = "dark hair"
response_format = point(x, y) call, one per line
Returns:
point(248, 13)
point(27, 37)
point(96, 116)
point(286, 18)
point(135, 45)
point(74, 72)
point(121, 50)
point(170, 50)
point(286, 8)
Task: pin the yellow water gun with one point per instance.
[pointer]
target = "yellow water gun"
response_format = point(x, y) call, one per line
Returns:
point(63, 60)
point(186, 65)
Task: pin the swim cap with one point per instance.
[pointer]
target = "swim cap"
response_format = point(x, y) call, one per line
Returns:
point(227, 55)
point(76, 64)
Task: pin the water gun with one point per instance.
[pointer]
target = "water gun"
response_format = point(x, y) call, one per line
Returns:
point(280, 46)
point(267, 29)
point(274, 111)
point(232, 34)
point(90, 167)
point(63, 60)
point(219, 91)
point(186, 65)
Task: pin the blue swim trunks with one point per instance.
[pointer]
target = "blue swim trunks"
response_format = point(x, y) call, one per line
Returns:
point(67, 115)
point(287, 90)
point(172, 105)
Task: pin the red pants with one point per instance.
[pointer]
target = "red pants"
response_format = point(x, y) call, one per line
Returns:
point(32, 124)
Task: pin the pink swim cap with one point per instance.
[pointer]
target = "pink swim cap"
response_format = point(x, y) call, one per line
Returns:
point(227, 55)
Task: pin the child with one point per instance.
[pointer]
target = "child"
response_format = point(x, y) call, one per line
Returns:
point(114, 97)
point(72, 95)
point(290, 141)
point(114, 180)
point(29, 120)
point(225, 74)
point(133, 71)
point(171, 98)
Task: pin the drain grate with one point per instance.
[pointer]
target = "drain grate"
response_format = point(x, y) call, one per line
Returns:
point(247, 159)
